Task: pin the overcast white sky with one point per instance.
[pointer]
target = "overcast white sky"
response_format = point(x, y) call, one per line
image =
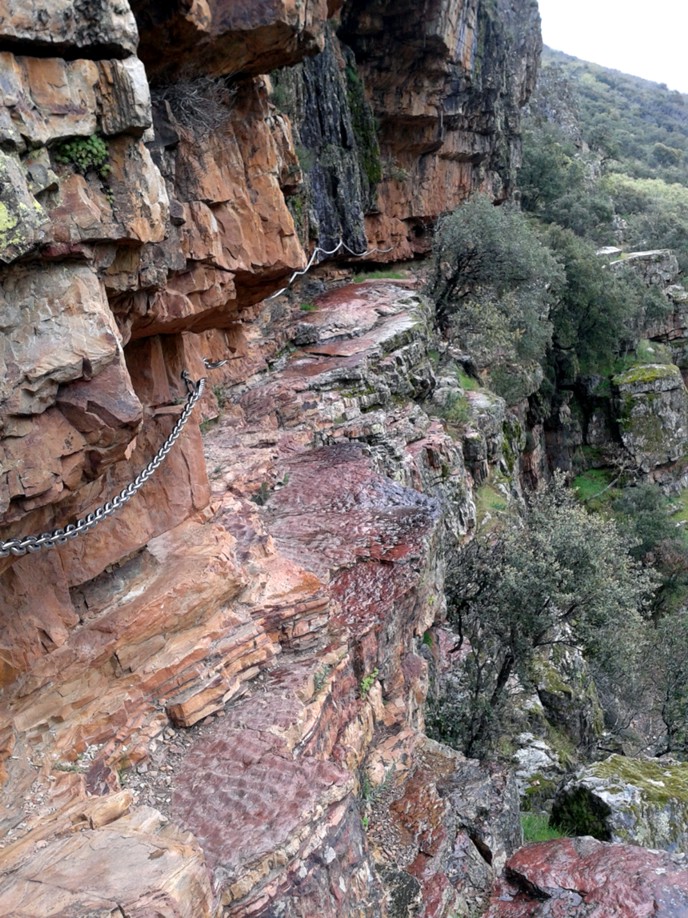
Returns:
point(649, 40)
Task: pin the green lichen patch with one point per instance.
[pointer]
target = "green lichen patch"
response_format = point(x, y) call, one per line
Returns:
point(21, 215)
point(364, 126)
point(646, 374)
point(658, 783)
point(551, 680)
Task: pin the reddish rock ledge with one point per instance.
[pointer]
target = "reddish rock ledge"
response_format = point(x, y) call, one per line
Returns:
point(585, 878)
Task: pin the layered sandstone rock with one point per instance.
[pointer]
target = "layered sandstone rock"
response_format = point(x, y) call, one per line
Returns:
point(446, 82)
point(299, 617)
point(229, 36)
point(278, 608)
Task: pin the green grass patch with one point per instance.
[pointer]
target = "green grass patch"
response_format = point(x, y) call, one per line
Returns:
point(308, 307)
point(457, 409)
point(679, 505)
point(678, 510)
point(536, 828)
point(489, 502)
point(379, 275)
point(467, 382)
point(592, 488)
point(646, 352)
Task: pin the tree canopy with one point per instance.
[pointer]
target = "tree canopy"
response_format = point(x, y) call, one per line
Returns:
point(557, 576)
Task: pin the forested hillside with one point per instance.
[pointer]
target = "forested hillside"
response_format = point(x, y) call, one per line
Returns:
point(606, 155)
point(642, 127)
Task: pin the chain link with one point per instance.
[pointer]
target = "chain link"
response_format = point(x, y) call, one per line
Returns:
point(30, 544)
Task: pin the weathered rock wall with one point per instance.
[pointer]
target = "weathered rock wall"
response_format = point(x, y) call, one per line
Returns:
point(408, 111)
point(446, 82)
point(224, 681)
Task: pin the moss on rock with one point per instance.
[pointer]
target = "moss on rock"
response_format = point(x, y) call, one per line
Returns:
point(659, 783)
point(636, 801)
point(647, 374)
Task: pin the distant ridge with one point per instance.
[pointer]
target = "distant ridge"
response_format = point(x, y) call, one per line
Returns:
point(646, 122)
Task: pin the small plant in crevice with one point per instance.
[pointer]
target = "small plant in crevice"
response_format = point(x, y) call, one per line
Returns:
point(320, 678)
point(308, 307)
point(220, 396)
point(88, 154)
point(367, 682)
point(85, 154)
point(393, 171)
point(456, 410)
point(207, 425)
point(371, 793)
point(262, 495)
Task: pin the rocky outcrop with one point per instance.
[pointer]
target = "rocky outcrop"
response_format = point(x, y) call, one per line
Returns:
point(638, 801)
point(443, 84)
point(657, 268)
point(336, 140)
point(446, 82)
point(283, 628)
point(227, 37)
point(574, 877)
point(210, 699)
point(118, 263)
point(652, 414)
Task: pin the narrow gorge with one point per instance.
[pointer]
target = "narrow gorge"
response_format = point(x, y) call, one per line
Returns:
point(214, 701)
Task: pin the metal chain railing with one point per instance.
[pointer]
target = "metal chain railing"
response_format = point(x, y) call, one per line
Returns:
point(327, 252)
point(29, 544)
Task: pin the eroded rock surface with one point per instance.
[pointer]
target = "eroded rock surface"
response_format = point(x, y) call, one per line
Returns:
point(298, 616)
point(249, 646)
point(576, 877)
point(640, 801)
point(653, 414)
point(446, 100)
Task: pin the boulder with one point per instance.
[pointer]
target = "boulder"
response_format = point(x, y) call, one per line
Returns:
point(652, 405)
point(639, 801)
point(69, 26)
point(657, 267)
point(580, 877)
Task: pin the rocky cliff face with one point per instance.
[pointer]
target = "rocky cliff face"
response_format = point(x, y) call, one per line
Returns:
point(212, 702)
